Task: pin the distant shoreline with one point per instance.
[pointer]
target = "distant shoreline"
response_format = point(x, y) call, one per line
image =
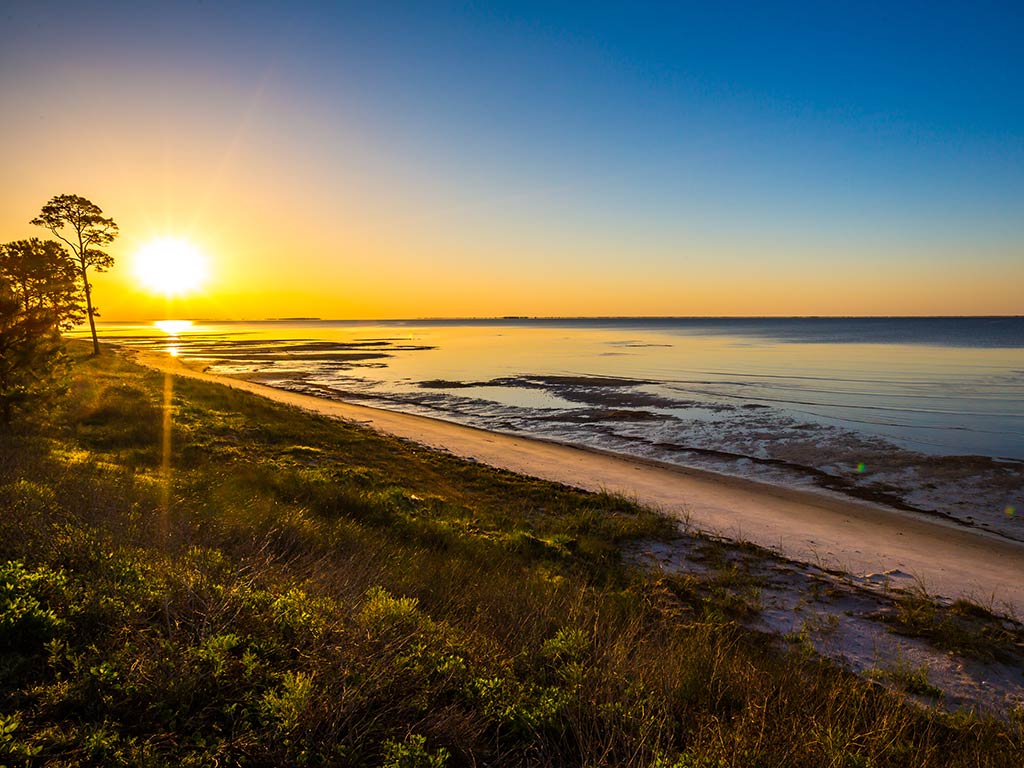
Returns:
point(563, 318)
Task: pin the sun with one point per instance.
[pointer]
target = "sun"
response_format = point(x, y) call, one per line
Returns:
point(170, 266)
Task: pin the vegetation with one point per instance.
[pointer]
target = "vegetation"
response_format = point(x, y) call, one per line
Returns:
point(41, 291)
point(282, 589)
point(38, 299)
point(81, 225)
point(41, 274)
point(964, 627)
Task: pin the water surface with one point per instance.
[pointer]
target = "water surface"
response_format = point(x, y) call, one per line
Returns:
point(919, 413)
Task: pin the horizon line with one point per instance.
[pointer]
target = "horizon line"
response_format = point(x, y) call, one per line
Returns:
point(518, 318)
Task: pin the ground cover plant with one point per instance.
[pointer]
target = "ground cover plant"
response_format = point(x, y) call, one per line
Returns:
point(270, 587)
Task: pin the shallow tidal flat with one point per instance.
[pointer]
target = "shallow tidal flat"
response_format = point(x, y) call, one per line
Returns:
point(909, 421)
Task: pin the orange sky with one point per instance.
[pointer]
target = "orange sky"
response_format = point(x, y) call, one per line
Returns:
point(278, 263)
point(275, 253)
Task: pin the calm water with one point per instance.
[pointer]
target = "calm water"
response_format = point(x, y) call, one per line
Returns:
point(926, 413)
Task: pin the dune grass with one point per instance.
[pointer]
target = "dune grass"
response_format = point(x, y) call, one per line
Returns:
point(291, 590)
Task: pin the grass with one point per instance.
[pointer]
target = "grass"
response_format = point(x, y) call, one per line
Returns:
point(910, 678)
point(964, 627)
point(290, 590)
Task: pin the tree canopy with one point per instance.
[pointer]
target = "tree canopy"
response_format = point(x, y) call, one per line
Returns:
point(43, 276)
point(39, 297)
point(81, 225)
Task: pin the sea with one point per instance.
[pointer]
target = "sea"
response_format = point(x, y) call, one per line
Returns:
point(921, 414)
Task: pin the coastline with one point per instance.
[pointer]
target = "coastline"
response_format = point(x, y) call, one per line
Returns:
point(863, 539)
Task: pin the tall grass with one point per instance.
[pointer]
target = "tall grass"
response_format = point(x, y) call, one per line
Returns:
point(313, 593)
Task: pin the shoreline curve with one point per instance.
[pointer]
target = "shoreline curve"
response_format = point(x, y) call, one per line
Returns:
point(857, 537)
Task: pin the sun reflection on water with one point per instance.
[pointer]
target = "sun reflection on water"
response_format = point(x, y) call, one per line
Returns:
point(173, 327)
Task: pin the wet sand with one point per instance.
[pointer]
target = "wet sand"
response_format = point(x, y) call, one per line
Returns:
point(860, 538)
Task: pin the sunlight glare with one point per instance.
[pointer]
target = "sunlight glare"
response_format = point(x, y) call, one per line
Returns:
point(170, 266)
point(173, 327)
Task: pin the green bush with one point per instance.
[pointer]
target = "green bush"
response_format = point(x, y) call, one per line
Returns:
point(27, 622)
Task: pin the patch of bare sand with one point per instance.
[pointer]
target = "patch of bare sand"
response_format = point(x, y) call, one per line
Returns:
point(849, 620)
point(854, 537)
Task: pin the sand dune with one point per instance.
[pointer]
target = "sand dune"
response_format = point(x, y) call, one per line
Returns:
point(863, 539)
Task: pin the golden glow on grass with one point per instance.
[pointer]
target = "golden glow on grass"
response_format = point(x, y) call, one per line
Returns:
point(170, 267)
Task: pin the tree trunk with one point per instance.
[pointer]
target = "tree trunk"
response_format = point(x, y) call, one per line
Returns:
point(88, 308)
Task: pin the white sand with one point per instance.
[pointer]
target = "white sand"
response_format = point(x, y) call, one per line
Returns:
point(860, 538)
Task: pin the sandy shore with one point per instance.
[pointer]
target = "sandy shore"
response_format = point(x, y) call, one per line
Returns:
point(858, 538)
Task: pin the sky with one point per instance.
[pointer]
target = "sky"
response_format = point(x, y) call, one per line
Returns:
point(398, 160)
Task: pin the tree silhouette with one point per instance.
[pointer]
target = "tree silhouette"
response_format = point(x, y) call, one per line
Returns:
point(38, 297)
point(86, 230)
point(43, 276)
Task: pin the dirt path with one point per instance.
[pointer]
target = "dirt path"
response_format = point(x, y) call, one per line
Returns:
point(859, 538)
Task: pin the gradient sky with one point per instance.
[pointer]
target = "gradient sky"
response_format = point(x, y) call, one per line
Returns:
point(478, 159)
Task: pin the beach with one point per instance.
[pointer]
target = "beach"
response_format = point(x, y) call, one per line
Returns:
point(876, 544)
point(923, 415)
point(226, 553)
